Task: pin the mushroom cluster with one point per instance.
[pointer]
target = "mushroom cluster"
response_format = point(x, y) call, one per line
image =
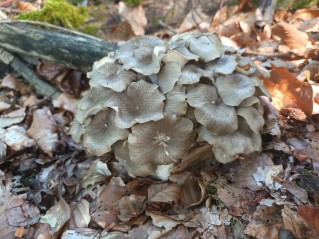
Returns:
point(152, 101)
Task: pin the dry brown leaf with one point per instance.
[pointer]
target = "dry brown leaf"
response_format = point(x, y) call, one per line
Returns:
point(291, 36)
point(164, 192)
point(192, 192)
point(66, 102)
point(44, 130)
point(57, 216)
point(287, 91)
point(131, 206)
point(161, 220)
point(135, 16)
point(292, 222)
point(10, 81)
point(306, 14)
point(26, 7)
point(13, 117)
point(80, 216)
point(310, 215)
point(265, 222)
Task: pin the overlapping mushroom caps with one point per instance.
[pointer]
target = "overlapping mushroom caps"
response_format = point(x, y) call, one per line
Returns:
point(152, 102)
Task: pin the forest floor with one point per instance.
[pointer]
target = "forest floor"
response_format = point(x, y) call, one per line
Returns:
point(51, 188)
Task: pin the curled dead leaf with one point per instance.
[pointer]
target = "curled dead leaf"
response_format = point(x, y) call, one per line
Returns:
point(310, 215)
point(287, 90)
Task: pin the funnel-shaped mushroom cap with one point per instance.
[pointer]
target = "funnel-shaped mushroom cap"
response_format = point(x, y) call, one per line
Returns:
point(221, 156)
point(206, 46)
point(168, 76)
point(176, 102)
point(111, 75)
point(242, 141)
point(161, 142)
point(142, 102)
point(122, 155)
point(225, 65)
point(210, 111)
point(95, 100)
point(253, 117)
point(102, 133)
point(191, 74)
point(233, 89)
point(181, 58)
point(142, 54)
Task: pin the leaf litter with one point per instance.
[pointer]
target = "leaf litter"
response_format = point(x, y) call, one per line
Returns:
point(50, 188)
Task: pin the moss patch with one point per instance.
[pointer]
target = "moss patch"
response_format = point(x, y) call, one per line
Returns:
point(59, 13)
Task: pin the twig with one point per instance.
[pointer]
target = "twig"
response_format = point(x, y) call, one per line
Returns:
point(43, 88)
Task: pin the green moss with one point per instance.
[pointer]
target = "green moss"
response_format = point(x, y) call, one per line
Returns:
point(297, 4)
point(133, 3)
point(59, 13)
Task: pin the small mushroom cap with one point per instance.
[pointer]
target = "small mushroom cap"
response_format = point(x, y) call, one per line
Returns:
point(233, 89)
point(122, 155)
point(177, 57)
point(143, 54)
point(95, 100)
point(225, 65)
point(111, 75)
point(206, 46)
point(253, 117)
point(176, 102)
point(210, 111)
point(140, 103)
point(168, 76)
point(191, 74)
point(161, 142)
point(102, 125)
point(242, 141)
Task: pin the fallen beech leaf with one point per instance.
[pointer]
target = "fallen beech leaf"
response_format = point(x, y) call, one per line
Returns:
point(135, 16)
point(131, 206)
point(310, 215)
point(19, 232)
point(265, 222)
point(97, 172)
point(292, 222)
point(26, 7)
point(43, 129)
point(15, 136)
point(80, 216)
point(306, 14)
point(291, 36)
point(164, 193)
point(286, 89)
point(65, 102)
point(57, 216)
point(11, 118)
point(161, 220)
point(192, 192)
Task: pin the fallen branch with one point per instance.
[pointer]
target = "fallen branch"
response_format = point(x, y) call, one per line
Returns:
point(70, 48)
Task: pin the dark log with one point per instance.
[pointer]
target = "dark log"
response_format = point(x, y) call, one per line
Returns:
point(51, 43)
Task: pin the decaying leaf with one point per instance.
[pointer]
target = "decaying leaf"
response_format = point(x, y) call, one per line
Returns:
point(292, 222)
point(15, 137)
point(44, 130)
point(161, 220)
point(192, 191)
point(310, 215)
point(13, 117)
point(57, 216)
point(164, 193)
point(97, 172)
point(80, 215)
point(265, 176)
point(291, 36)
point(265, 223)
point(131, 206)
point(288, 91)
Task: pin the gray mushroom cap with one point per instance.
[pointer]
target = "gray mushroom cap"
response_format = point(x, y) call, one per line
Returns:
point(140, 103)
point(175, 103)
point(111, 75)
point(101, 125)
point(225, 65)
point(210, 111)
point(191, 74)
point(168, 76)
point(253, 117)
point(242, 141)
point(233, 89)
point(161, 142)
point(142, 55)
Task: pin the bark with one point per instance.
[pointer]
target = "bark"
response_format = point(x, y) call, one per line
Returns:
point(70, 48)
